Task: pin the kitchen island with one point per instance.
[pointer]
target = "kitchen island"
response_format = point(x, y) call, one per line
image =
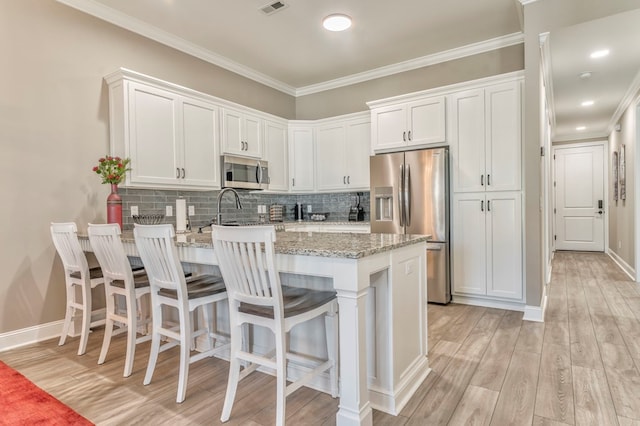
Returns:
point(381, 284)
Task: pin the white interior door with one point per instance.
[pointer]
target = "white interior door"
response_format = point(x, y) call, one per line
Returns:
point(579, 189)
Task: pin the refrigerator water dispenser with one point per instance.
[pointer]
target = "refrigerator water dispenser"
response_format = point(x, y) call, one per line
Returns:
point(384, 203)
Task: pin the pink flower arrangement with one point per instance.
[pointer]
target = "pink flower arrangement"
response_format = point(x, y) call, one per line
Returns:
point(112, 169)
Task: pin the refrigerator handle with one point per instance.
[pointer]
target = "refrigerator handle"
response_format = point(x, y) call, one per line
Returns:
point(400, 195)
point(407, 195)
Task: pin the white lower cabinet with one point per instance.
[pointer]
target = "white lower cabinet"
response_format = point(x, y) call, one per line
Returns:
point(487, 245)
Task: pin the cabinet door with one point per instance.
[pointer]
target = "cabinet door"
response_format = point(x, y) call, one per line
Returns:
point(331, 169)
point(427, 118)
point(469, 258)
point(276, 153)
point(152, 135)
point(201, 162)
point(389, 127)
point(301, 161)
point(232, 142)
point(504, 245)
point(467, 141)
point(503, 135)
point(358, 149)
point(252, 136)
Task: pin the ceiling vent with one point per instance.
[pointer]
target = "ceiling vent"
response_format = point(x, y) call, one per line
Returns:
point(271, 8)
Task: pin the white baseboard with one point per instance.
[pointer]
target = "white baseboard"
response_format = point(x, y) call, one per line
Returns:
point(488, 303)
point(626, 268)
point(536, 313)
point(29, 335)
point(391, 403)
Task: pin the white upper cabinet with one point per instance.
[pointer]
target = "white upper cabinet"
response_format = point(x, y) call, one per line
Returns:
point(301, 158)
point(486, 138)
point(276, 152)
point(241, 133)
point(171, 138)
point(342, 155)
point(411, 124)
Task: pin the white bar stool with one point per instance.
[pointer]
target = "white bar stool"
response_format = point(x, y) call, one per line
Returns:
point(77, 275)
point(119, 281)
point(169, 288)
point(246, 259)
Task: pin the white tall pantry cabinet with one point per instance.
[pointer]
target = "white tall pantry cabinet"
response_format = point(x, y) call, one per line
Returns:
point(487, 201)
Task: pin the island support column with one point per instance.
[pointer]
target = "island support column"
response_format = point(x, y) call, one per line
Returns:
point(351, 281)
point(355, 408)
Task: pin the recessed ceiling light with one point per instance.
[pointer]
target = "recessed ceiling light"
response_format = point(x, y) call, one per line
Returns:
point(584, 75)
point(336, 22)
point(581, 128)
point(599, 53)
point(587, 103)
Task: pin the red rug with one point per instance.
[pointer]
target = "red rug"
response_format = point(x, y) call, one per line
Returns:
point(23, 403)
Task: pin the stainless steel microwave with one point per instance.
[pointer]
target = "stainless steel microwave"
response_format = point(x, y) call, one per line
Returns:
point(245, 173)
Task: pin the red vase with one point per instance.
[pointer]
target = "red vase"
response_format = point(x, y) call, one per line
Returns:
point(114, 206)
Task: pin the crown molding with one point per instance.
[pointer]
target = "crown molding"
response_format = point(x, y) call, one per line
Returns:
point(436, 58)
point(149, 31)
point(525, 2)
point(122, 20)
point(628, 98)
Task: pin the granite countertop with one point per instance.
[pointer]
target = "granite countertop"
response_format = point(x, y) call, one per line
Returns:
point(349, 246)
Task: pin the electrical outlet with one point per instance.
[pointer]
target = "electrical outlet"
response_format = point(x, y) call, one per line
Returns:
point(192, 210)
point(308, 208)
point(168, 211)
point(134, 210)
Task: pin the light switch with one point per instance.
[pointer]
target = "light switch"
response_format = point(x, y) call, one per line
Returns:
point(192, 210)
point(169, 211)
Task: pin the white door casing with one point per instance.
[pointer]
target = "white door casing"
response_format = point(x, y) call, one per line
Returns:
point(579, 172)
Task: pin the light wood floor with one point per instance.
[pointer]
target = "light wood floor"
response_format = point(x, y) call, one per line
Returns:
point(580, 367)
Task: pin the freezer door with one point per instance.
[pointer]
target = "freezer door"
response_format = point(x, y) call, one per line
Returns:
point(438, 283)
point(385, 170)
point(427, 174)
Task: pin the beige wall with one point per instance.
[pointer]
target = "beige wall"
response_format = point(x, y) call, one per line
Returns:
point(622, 212)
point(54, 127)
point(353, 98)
point(539, 17)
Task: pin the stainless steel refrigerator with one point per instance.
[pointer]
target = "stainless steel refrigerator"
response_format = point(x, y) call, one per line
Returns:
point(410, 195)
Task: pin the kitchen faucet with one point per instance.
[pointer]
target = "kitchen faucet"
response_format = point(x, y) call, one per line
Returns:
point(220, 194)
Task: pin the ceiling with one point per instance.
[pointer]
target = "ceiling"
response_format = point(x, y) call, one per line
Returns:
point(290, 51)
point(613, 80)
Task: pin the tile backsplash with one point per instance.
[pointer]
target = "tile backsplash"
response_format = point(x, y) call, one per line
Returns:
point(204, 202)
